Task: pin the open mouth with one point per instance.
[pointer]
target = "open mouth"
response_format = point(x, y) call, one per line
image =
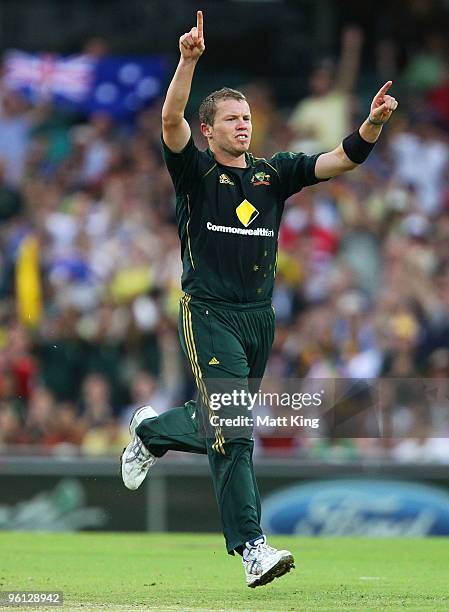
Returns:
point(242, 137)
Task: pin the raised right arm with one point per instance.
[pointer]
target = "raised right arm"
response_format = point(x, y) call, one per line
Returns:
point(175, 129)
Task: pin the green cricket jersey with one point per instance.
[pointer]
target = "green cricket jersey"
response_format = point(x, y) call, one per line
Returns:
point(228, 220)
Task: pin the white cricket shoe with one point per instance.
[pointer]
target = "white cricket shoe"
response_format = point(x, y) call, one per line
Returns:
point(136, 459)
point(264, 563)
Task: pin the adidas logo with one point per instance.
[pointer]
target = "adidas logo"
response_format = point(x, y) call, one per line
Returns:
point(225, 180)
point(214, 361)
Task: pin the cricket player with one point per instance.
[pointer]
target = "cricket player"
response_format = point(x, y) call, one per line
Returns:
point(229, 206)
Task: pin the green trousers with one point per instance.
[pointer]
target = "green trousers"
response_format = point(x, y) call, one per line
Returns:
point(221, 343)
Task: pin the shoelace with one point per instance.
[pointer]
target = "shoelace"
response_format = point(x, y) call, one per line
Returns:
point(255, 565)
point(140, 454)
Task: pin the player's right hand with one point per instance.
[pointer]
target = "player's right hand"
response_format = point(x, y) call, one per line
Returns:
point(191, 44)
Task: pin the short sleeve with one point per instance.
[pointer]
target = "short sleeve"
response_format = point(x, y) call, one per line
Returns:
point(183, 166)
point(296, 170)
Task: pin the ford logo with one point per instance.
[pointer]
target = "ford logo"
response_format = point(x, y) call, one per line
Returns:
point(353, 507)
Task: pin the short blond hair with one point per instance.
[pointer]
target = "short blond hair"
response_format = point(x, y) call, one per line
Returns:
point(208, 107)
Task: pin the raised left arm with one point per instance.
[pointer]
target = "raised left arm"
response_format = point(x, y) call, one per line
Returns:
point(356, 147)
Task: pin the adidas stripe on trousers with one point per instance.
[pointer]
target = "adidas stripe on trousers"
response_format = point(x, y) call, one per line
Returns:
point(227, 343)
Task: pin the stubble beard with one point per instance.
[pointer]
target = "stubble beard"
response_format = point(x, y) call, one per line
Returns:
point(234, 151)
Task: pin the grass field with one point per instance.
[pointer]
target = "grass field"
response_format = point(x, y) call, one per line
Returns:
point(192, 572)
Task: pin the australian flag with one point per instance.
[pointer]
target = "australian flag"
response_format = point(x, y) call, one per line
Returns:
point(120, 86)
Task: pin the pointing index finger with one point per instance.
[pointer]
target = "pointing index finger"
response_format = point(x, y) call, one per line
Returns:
point(383, 90)
point(199, 23)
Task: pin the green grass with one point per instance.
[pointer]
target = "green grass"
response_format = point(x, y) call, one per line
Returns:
point(193, 572)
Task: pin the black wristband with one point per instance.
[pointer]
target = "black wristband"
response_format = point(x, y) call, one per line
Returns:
point(356, 148)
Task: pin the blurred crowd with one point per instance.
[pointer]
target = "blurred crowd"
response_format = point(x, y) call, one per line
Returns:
point(362, 286)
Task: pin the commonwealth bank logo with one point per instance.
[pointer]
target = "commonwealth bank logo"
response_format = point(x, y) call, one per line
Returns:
point(246, 213)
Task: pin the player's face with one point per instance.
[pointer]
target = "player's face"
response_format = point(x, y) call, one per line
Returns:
point(232, 127)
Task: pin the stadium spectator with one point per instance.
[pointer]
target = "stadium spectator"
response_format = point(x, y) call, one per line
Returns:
point(144, 392)
point(40, 418)
point(324, 117)
point(103, 433)
point(15, 126)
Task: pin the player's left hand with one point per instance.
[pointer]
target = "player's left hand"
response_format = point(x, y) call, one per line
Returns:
point(383, 105)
